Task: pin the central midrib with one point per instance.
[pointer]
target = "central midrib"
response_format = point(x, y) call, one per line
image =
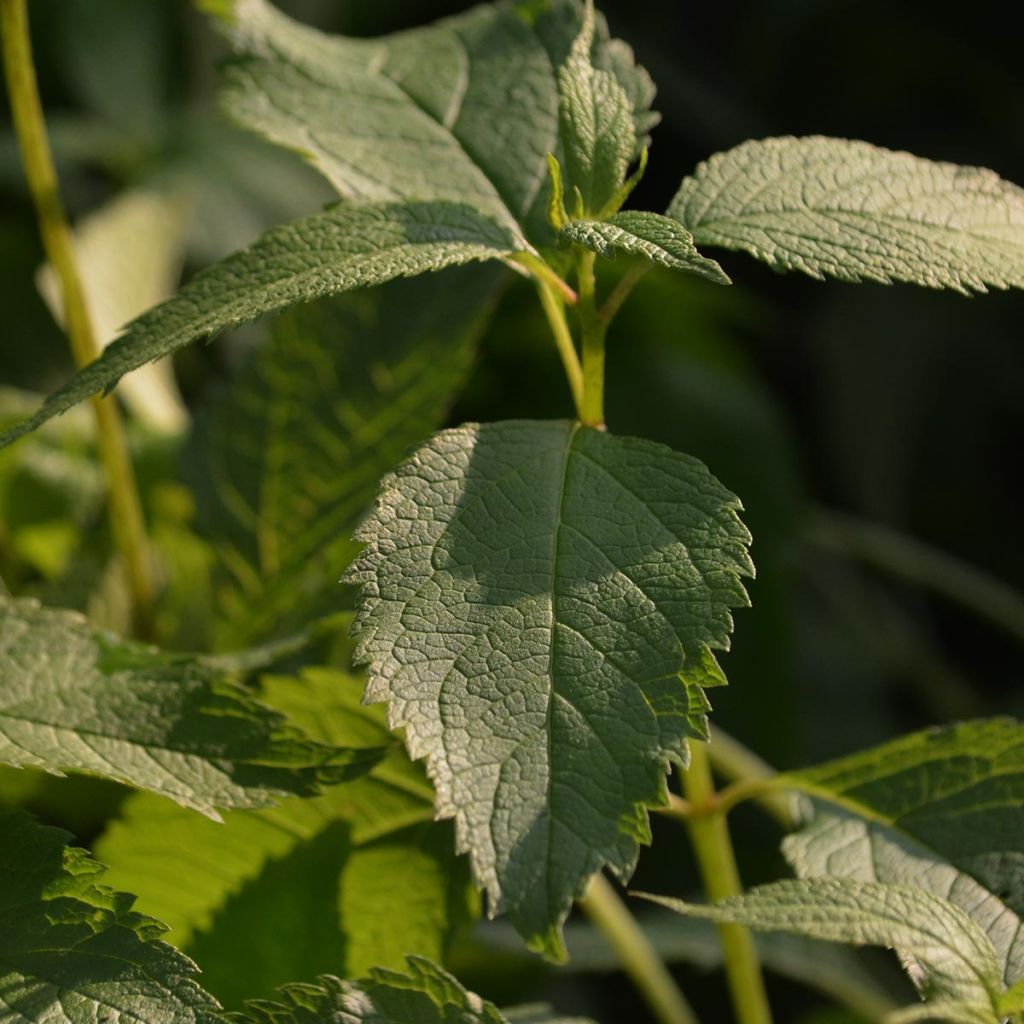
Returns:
point(555, 538)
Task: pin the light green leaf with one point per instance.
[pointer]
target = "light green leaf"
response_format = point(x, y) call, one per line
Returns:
point(533, 594)
point(423, 994)
point(850, 210)
point(596, 125)
point(1012, 1000)
point(73, 951)
point(78, 700)
point(286, 462)
point(658, 239)
point(838, 973)
point(343, 248)
point(951, 956)
point(355, 878)
point(942, 809)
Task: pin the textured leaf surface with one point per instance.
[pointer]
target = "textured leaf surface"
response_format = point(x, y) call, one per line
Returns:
point(953, 960)
point(73, 699)
point(533, 597)
point(465, 110)
point(838, 973)
point(74, 952)
point(130, 253)
point(410, 116)
point(659, 239)
point(421, 994)
point(355, 878)
point(343, 248)
point(596, 124)
point(942, 809)
point(286, 462)
point(850, 210)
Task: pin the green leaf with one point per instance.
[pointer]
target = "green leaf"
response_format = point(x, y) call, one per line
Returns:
point(533, 595)
point(838, 973)
point(853, 211)
point(355, 878)
point(423, 994)
point(942, 809)
point(596, 125)
point(413, 115)
point(78, 700)
point(1012, 1000)
point(659, 239)
point(129, 256)
point(950, 955)
point(539, 1014)
point(410, 116)
point(73, 951)
point(286, 462)
point(343, 248)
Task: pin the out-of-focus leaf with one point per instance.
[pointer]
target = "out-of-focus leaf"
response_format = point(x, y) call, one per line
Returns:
point(129, 255)
point(286, 463)
point(357, 877)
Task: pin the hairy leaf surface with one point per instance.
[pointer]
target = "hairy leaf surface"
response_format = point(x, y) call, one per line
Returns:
point(78, 700)
point(286, 461)
point(538, 605)
point(343, 248)
point(659, 239)
point(853, 211)
point(596, 124)
point(421, 994)
point(952, 960)
point(466, 109)
point(355, 878)
point(942, 809)
point(73, 951)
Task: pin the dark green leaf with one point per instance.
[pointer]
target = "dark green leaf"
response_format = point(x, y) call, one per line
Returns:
point(286, 462)
point(73, 951)
point(355, 878)
point(78, 700)
point(533, 597)
point(942, 809)
point(424, 994)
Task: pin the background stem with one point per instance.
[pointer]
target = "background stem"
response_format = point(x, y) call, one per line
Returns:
point(124, 506)
point(739, 765)
point(638, 957)
point(712, 844)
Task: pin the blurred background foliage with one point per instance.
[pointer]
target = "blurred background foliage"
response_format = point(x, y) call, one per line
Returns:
point(874, 434)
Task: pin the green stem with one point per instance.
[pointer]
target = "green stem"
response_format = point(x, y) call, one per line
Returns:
point(638, 957)
point(750, 776)
point(593, 331)
point(554, 310)
point(709, 833)
point(125, 509)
